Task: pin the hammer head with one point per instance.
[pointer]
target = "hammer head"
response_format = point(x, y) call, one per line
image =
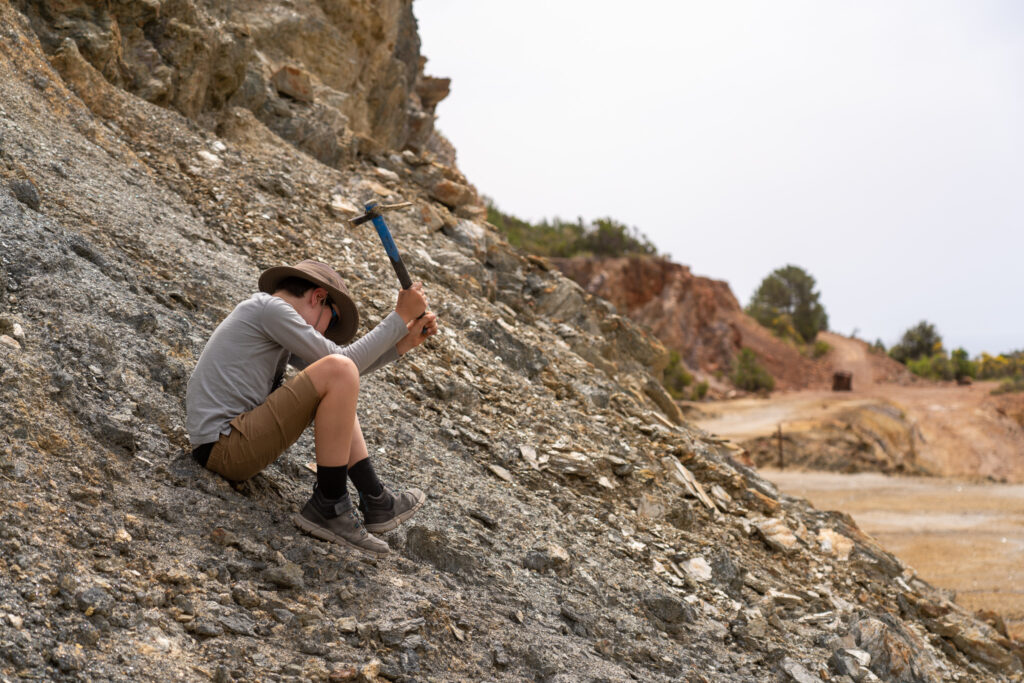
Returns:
point(375, 210)
point(372, 211)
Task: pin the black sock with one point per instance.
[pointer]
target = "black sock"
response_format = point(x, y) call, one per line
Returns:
point(365, 478)
point(332, 481)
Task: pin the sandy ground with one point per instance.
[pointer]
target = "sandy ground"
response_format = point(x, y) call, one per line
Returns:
point(960, 530)
point(968, 537)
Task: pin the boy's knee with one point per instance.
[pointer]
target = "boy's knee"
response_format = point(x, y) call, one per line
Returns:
point(334, 369)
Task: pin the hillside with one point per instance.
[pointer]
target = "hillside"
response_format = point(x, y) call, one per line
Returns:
point(153, 160)
point(701, 318)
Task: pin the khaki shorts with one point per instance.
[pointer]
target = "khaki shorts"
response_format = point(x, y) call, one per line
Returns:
point(259, 436)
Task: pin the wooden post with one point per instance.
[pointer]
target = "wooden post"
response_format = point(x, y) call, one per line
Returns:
point(778, 435)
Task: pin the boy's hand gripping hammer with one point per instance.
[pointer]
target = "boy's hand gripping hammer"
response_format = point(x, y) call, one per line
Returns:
point(374, 213)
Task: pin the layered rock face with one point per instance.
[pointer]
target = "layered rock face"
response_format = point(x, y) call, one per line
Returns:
point(338, 80)
point(695, 315)
point(574, 531)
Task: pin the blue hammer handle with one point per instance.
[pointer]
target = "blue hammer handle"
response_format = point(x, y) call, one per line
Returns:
point(390, 248)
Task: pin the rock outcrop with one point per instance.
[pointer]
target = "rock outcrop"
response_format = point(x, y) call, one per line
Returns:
point(694, 315)
point(872, 437)
point(573, 531)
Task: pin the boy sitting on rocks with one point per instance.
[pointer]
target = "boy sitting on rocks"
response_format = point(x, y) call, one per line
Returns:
point(240, 417)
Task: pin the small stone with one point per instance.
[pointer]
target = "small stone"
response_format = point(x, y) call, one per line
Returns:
point(9, 342)
point(377, 188)
point(386, 174)
point(784, 599)
point(835, 544)
point(341, 207)
point(94, 601)
point(668, 608)
point(209, 158)
point(529, 454)
point(721, 497)
point(484, 519)
point(776, 534)
point(371, 670)
point(347, 673)
point(87, 634)
point(16, 622)
point(650, 507)
point(851, 662)
point(294, 83)
point(501, 473)
point(25, 192)
point(451, 194)
point(122, 536)
point(283, 616)
point(184, 604)
point(347, 624)
point(221, 536)
point(797, 672)
point(18, 332)
point(246, 597)
point(550, 556)
point(207, 629)
point(176, 576)
point(68, 657)
point(698, 568)
point(238, 624)
point(288, 575)
point(623, 470)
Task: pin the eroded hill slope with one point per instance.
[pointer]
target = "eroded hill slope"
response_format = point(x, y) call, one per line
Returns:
point(702, 320)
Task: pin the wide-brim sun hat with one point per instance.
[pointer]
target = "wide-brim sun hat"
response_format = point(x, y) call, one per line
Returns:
point(322, 275)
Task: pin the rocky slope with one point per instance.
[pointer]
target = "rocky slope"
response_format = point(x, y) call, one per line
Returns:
point(574, 530)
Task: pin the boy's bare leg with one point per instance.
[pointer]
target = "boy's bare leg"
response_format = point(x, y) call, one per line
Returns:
point(336, 380)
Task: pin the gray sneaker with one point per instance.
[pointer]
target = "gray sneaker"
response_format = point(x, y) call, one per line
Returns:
point(344, 527)
point(386, 511)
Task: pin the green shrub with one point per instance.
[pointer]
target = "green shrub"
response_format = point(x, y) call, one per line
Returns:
point(781, 325)
point(935, 367)
point(1010, 385)
point(820, 348)
point(700, 390)
point(877, 347)
point(608, 237)
point(918, 342)
point(676, 378)
point(749, 375)
point(785, 301)
point(558, 238)
point(1003, 365)
point(963, 366)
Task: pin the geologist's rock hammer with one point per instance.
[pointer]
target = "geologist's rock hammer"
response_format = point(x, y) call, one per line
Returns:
point(374, 212)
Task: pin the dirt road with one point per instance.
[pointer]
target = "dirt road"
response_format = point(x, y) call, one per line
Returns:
point(962, 536)
point(959, 431)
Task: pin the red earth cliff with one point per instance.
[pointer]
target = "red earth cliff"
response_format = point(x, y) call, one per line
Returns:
point(697, 316)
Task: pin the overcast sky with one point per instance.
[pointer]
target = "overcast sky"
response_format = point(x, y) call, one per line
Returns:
point(877, 144)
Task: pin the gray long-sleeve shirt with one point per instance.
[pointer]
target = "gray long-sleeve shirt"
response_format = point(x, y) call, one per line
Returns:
point(253, 346)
